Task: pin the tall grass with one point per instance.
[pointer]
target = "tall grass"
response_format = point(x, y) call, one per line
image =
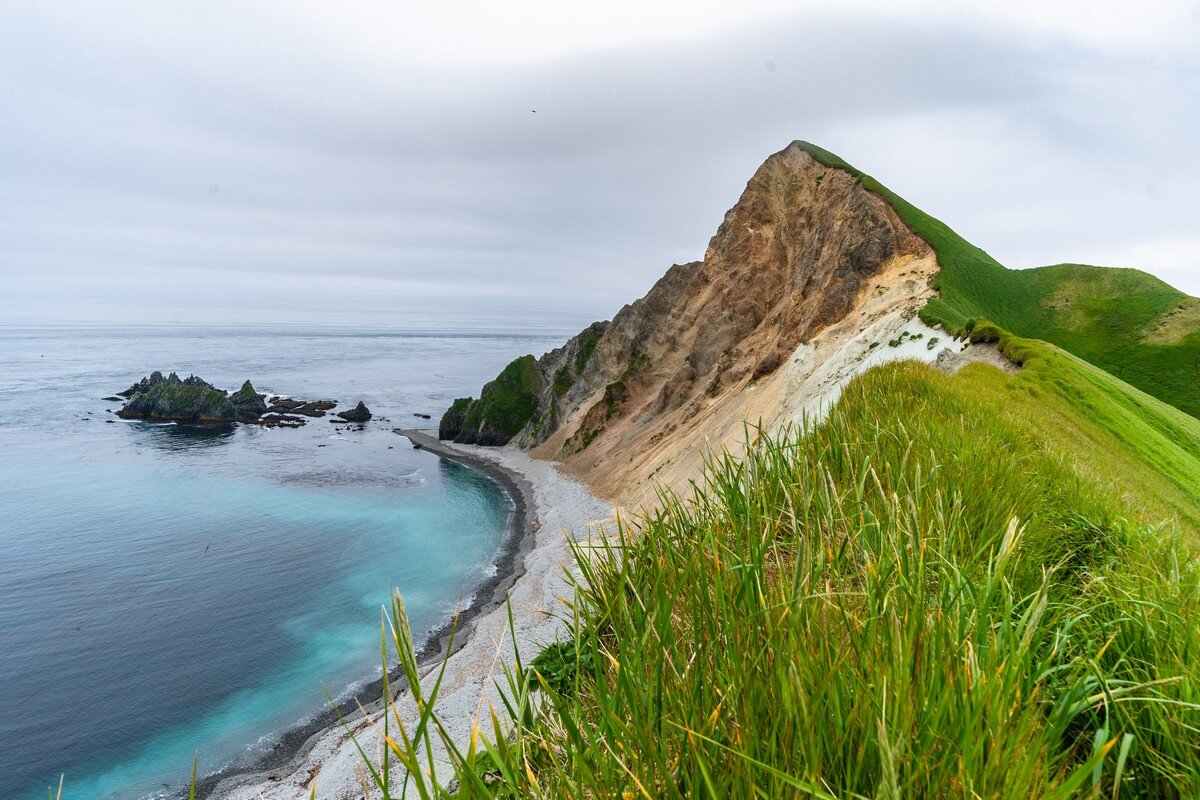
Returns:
point(924, 596)
point(914, 599)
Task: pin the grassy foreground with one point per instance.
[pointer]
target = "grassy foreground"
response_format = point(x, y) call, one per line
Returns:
point(1125, 321)
point(972, 587)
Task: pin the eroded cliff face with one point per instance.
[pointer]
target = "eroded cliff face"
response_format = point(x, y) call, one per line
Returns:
point(641, 399)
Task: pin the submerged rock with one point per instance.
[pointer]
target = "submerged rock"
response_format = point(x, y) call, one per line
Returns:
point(281, 421)
point(360, 413)
point(308, 408)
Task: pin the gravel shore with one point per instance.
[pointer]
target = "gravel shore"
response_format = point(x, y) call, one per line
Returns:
point(530, 574)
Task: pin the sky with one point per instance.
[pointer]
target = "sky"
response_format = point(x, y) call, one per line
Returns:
point(539, 163)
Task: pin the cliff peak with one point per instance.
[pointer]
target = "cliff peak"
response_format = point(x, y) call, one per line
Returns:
point(804, 247)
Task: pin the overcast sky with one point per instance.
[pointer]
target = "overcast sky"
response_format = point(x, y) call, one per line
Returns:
point(390, 162)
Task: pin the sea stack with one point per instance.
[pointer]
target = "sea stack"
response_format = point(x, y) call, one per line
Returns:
point(360, 413)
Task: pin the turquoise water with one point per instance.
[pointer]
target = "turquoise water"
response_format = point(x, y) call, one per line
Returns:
point(166, 590)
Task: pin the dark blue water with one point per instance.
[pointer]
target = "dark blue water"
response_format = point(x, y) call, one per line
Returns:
point(166, 589)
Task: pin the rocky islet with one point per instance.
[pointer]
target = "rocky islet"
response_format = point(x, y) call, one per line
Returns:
point(195, 400)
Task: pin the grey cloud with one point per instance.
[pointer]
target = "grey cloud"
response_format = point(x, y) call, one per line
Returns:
point(247, 157)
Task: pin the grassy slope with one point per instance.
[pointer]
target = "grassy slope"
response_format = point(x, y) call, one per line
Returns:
point(982, 586)
point(1099, 314)
point(1136, 447)
point(967, 587)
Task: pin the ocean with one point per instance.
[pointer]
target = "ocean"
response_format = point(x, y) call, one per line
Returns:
point(167, 590)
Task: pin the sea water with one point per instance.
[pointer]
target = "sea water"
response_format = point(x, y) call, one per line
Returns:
point(167, 590)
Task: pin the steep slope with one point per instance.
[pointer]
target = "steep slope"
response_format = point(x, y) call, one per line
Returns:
point(873, 610)
point(953, 587)
point(815, 275)
point(960, 582)
point(1124, 321)
point(681, 369)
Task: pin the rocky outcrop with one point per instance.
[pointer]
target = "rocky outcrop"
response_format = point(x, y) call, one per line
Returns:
point(247, 403)
point(190, 399)
point(360, 413)
point(504, 408)
point(156, 379)
point(307, 408)
point(805, 247)
point(451, 424)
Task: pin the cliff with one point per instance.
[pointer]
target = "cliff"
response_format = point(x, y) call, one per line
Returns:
point(817, 274)
point(680, 370)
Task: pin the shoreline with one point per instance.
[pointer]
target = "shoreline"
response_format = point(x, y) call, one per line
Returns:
point(286, 756)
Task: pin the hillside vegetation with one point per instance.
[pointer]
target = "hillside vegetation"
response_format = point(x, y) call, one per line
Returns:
point(979, 586)
point(984, 585)
point(503, 407)
point(1124, 321)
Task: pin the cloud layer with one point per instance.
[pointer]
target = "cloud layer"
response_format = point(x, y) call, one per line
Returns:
point(499, 161)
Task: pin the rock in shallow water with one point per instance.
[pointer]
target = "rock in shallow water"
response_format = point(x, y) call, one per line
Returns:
point(190, 399)
point(360, 413)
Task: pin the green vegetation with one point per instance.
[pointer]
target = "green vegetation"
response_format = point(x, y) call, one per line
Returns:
point(1124, 321)
point(559, 665)
point(246, 393)
point(452, 421)
point(508, 402)
point(616, 394)
point(876, 608)
point(563, 380)
point(587, 346)
point(504, 406)
point(904, 337)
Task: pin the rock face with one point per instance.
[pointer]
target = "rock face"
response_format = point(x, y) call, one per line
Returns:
point(247, 403)
point(804, 247)
point(190, 399)
point(156, 379)
point(505, 407)
point(360, 413)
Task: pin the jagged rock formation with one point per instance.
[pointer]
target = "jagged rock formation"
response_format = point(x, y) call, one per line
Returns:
point(190, 399)
point(360, 413)
point(247, 403)
point(156, 379)
point(680, 370)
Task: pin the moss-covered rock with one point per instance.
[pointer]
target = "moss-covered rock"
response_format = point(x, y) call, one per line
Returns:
point(588, 339)
point(190, 399)
point(248, 403)
point(452, 421)
point(504, 407)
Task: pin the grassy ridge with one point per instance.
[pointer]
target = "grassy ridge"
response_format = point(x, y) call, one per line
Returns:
point(967, 587)
point(1109, 317)
point(979, 586)
point(1138, 449)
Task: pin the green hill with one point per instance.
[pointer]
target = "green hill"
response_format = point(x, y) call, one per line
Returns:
point(1124, 321)
point(979, 586)
point(974, 586)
